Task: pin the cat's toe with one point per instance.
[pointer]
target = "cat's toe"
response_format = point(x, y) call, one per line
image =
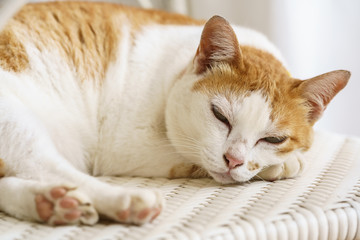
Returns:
point(61, 205)
point(138, 216)
point(145, 207)
point(44, 207)
point(136, 207)
point(58, 192)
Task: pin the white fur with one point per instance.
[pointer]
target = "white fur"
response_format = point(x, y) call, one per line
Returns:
point(142, 121)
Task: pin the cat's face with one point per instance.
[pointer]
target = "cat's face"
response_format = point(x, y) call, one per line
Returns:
point(240, 112)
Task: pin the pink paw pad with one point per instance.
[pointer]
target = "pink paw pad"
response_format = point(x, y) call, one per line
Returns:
point(124, 215)
point(145, 215)
point(58, 208)
point(58, 192)
point(44, 207)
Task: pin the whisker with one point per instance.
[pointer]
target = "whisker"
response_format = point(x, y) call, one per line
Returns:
point(257, 175)
point(195, 147)
point(176, 143)
point(183, 136)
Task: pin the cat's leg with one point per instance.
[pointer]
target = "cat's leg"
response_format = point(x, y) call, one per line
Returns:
point(50, 184)
point(128, 205)
point(32, 185)
point(63, 203)
point(291, 168)
point(53, 204)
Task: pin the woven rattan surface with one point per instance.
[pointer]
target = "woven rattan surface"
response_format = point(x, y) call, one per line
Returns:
point(324, 203)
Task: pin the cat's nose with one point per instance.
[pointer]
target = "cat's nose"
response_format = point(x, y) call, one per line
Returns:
point(232, 162)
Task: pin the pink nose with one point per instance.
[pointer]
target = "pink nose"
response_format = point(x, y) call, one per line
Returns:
point(232, 162)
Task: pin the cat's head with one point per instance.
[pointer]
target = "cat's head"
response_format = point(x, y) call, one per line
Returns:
point(236, 111)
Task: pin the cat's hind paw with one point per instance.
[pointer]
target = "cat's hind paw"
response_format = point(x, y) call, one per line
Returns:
point(141, 207)
point(134, 206)
point(63, 205)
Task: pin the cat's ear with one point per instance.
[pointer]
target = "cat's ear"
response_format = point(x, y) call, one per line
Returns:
point(218, 44)
point(319, 91)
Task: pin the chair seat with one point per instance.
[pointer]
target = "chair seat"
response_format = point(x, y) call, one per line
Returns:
point(324, 203)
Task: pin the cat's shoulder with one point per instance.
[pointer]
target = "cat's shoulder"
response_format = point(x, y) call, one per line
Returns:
point(71, 27)
point(100, 12)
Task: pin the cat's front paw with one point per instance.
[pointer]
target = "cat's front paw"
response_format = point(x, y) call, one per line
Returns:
point(133, 206)
point(62, 205)
point(290, 168)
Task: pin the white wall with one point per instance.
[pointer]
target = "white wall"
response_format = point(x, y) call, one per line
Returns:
point(314, 36)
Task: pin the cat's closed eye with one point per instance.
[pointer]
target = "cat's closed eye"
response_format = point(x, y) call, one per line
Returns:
point(274, 140)
point(220, 116)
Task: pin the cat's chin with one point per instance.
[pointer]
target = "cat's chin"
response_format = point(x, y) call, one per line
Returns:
point(230, 177)
point(224, 178)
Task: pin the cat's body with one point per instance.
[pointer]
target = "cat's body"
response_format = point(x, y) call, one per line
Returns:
point(100, 89)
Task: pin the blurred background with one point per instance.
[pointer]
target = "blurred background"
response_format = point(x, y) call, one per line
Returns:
point(314, 36)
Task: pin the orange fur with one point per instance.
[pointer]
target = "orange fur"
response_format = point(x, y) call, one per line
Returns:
point(260, 71)
point(13, 56)
point(217, 28)
point(2, 168)
point(85, 34)
point(253, 166)
point(231, 70)
point(187, 170)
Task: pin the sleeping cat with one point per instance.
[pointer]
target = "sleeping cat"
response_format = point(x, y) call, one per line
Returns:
point(91, 89)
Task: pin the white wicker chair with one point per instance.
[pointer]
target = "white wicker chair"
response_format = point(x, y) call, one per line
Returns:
point(324, 203)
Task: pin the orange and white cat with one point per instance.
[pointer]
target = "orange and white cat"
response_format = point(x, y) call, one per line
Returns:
point(90, 89)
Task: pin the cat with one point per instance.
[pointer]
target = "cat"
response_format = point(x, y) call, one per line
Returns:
point(98, 89)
